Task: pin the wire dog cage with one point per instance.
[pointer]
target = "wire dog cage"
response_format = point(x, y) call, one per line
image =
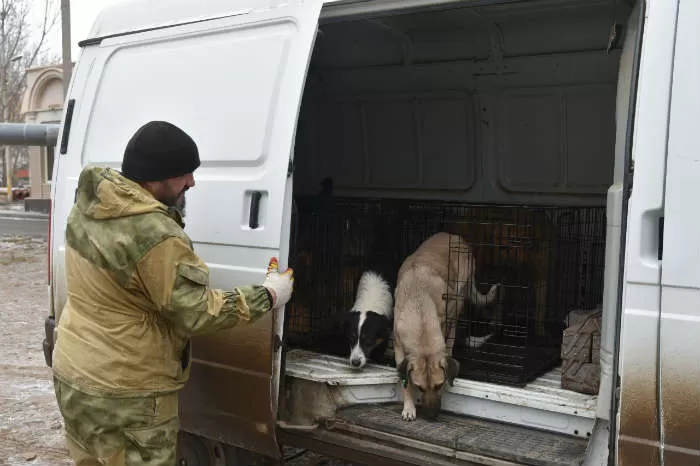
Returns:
point(546, 262)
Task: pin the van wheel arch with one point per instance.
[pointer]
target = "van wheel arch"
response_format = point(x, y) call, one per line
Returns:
point(193, 450)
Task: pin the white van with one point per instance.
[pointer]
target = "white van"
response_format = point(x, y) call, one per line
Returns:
point(421, 111)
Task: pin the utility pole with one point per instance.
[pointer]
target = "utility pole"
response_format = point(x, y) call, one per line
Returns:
point(65, 38)
point(6, 150)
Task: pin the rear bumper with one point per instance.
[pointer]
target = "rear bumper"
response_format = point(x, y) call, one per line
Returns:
point(49, 326)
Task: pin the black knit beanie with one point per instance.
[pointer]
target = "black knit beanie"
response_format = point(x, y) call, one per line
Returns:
point(157, 151)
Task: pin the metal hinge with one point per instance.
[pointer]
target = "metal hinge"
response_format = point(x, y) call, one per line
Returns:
point(290, 168)
point(276, 343)
point(630, 170)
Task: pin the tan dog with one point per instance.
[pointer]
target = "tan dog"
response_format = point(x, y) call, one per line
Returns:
point(442, 264)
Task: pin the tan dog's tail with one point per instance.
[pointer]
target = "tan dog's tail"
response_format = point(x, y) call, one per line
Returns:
point(480, 300)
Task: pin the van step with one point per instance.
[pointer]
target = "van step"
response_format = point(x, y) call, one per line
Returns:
point(462, 437)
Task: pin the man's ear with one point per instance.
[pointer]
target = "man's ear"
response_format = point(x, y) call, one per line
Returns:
point(451, 370)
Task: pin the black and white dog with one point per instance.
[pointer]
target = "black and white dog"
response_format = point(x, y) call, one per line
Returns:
point(362, 333)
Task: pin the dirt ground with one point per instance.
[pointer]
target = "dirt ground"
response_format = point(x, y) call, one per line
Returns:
point(31, 429)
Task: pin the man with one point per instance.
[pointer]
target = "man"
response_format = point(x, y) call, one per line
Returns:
point(136, 293)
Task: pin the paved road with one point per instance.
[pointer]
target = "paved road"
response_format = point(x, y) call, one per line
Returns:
point(19, 223)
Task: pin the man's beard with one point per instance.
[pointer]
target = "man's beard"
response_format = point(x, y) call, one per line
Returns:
point(177, 203)
point(180, 204)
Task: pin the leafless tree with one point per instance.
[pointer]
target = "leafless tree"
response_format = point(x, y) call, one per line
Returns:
point(22, 46)
point(19, 159)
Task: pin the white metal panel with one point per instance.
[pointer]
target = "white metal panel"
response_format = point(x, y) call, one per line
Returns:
point(133, 15)
point(234, 84)
point(557, 139)
point(638, 427)
point(529, 136)
point(680, 304)
point(614, 214)
point(395, 142)
point(68, 166)
point(231, 115)
point(531, 113)
point(336, 371)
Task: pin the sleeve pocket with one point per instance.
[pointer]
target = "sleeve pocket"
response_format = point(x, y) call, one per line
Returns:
point(193, 274)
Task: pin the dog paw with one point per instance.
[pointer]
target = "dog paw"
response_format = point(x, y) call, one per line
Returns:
point(408, 413)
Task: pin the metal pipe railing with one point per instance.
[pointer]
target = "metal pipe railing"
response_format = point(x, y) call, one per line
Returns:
point(28, 134)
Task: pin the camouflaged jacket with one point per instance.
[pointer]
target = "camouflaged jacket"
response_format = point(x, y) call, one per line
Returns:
point(136, 293)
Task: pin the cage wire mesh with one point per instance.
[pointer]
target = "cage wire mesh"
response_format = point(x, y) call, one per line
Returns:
point(546, 261)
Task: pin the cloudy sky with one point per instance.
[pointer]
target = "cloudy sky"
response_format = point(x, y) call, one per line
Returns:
point(83, 14)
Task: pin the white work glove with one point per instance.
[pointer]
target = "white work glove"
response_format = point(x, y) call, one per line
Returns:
point(279, 285)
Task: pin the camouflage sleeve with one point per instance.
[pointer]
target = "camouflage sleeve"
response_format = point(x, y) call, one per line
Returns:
point(177, 281)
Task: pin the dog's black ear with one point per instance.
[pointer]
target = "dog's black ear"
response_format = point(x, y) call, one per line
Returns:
point(387, 328)
point(386, 333)
point(451, 370)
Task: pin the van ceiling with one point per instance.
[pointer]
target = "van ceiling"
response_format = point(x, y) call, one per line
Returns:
point(470, 33)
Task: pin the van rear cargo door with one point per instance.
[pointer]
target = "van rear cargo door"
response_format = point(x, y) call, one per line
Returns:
point(639, 434)
point(234, 83)
point(679, 383)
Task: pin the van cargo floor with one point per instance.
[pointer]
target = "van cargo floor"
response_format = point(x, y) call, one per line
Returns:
point(460, 434)
point(542, 404)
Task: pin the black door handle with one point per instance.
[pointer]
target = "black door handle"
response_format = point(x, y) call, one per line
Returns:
point(253, 220)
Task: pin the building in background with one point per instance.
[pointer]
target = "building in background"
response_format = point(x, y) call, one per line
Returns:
point(42, 103)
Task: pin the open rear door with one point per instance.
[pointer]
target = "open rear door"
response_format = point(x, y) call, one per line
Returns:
point(639, 437)
point(241, 214)
point(234, 83)
point(679, 345)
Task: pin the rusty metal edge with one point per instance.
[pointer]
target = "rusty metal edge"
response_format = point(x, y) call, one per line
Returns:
point(366, 449)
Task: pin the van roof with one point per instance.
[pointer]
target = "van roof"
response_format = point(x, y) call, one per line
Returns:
point(129, 16)
point(134, 15)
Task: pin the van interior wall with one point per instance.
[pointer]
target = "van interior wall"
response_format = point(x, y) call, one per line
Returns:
point(508, 103)
point(504, 105)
